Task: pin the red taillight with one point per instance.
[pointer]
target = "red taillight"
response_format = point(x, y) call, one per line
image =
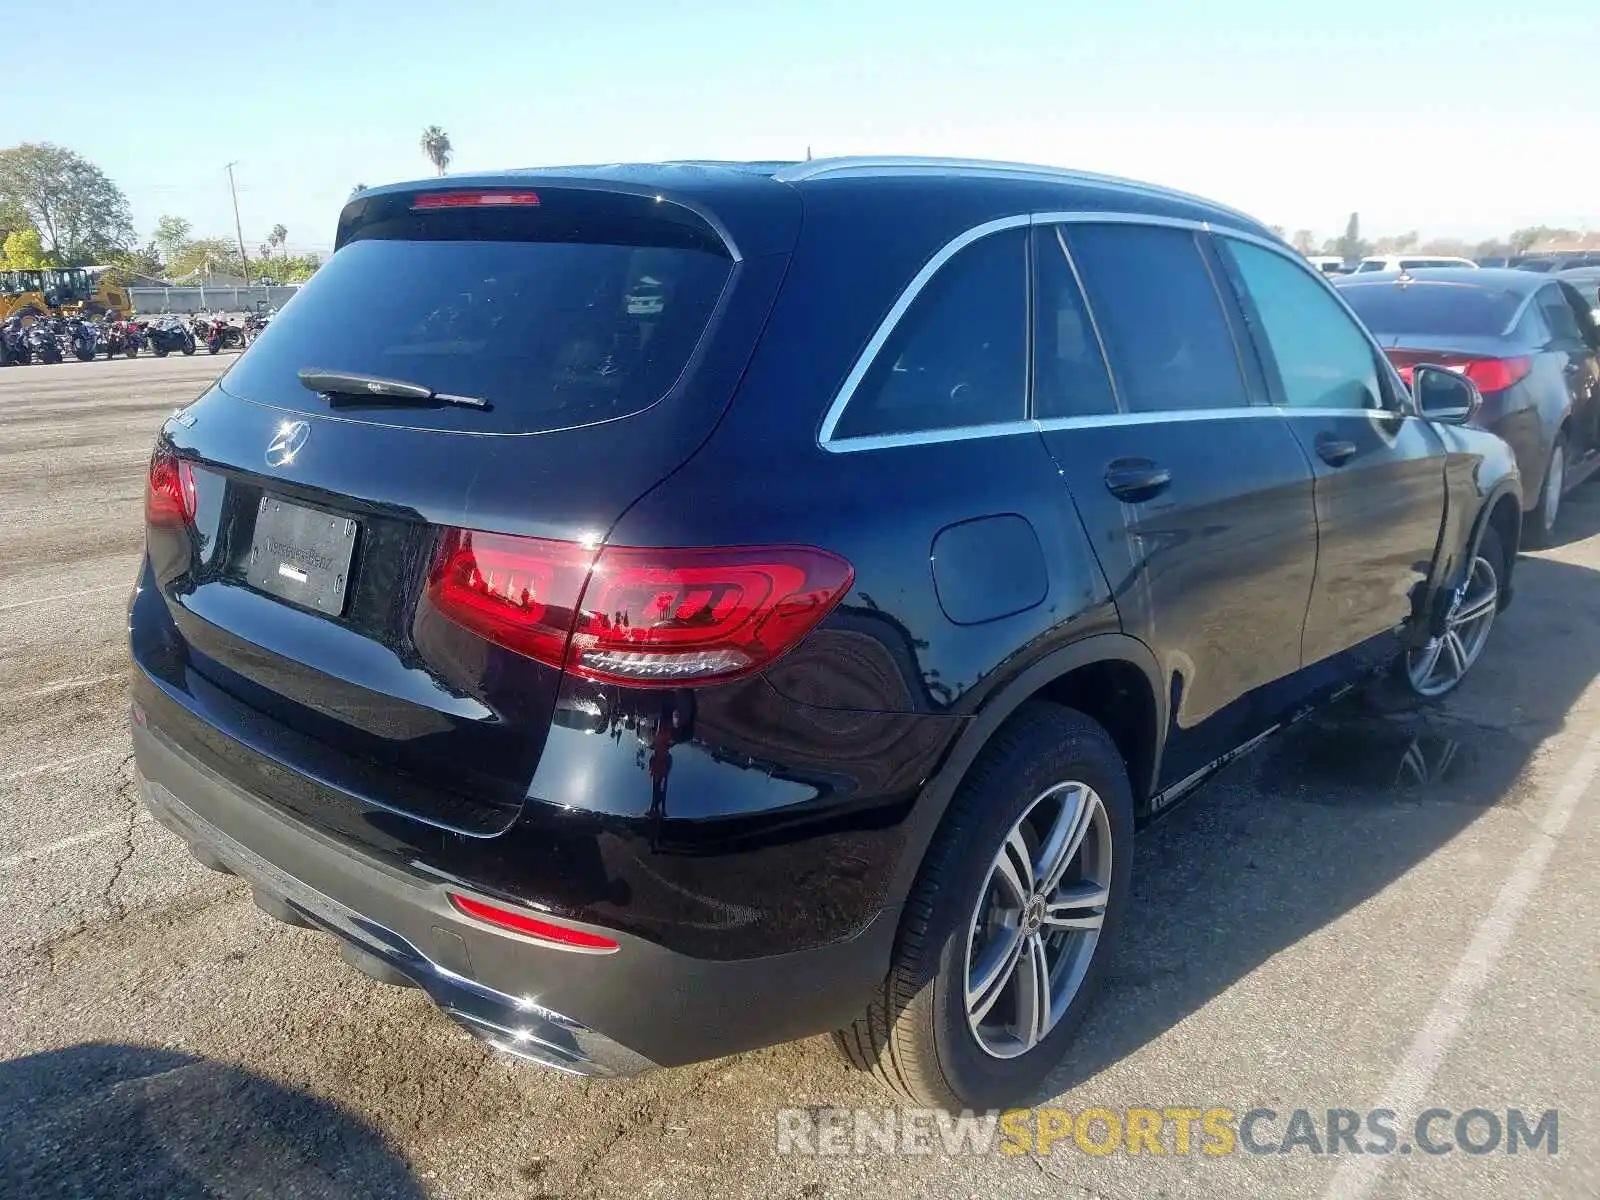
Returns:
point(477, 199)
point(169, 497)
point(1496, 374)
point(1490, 374)
point(642, 617)
point(544, 931)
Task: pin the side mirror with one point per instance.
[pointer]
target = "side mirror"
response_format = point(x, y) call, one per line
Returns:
point(1444, 395)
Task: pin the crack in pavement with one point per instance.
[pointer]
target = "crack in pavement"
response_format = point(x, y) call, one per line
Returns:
point(128, 792)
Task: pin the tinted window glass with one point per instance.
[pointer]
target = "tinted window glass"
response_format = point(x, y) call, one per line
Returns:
point(1462, 309)
point(551, 333)
point(1372, 266)
point(1160, 317)
point(1323, 358)
point(1069, 374)
point(1558, 315)
point(958, 355)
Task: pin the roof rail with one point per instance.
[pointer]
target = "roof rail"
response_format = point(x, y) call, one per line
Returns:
point(861, 166)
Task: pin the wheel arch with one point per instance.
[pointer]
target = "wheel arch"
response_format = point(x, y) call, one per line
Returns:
point(1503, 513)
point(1109, 677)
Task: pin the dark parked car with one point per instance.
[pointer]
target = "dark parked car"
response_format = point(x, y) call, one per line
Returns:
point(1530, 344)
point(665, 610)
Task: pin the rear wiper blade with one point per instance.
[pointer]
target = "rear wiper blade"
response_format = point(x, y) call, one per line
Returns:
point(346, 383)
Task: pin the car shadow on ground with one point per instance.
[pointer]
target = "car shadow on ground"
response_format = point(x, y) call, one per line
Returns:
point(1339, 807)
point(112, 1120)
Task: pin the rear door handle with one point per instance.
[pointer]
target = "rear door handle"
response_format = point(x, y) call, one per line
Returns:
point(1136, 479)
point(1334, 451)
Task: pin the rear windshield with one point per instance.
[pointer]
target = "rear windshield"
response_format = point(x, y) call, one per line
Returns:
point(554, 324)
point(1460, 309)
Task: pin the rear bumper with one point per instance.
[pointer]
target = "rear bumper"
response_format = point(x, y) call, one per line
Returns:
point(515, 1025)
point(610, 1014)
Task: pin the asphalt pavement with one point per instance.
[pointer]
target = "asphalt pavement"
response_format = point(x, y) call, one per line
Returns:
point(1376, 910)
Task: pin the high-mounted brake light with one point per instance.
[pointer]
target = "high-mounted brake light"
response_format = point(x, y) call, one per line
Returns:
point(475, 199)
point(650, 618)
point(169, 497)
point(544, 931)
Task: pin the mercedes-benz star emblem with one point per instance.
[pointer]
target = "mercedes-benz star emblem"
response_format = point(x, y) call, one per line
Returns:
point(286, 443)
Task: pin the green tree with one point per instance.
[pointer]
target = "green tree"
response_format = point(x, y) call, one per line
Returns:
point(436, 146)
point(1522, 240)
point(277, 238)
point(357, 190)
point(1454, 247)
point(22, 251)
point(206, 255)
point(137, 267)
point(1397, 243)
point(1350, 246)
point(1304, 242)
point(171, 236)
point(79, 212)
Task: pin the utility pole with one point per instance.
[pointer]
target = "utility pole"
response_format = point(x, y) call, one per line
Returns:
point(244, 262)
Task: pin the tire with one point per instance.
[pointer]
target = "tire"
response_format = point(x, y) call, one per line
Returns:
point(916, 1035)
point(1404, 683)
point(161, 351)
point(212, 347)
point(131, 352)
point(188, 347)
point(1539, 526)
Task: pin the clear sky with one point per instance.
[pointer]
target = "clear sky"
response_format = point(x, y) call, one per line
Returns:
point(1453, 117)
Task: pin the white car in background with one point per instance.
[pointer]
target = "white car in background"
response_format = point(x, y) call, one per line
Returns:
point(1409, 262)
point(1328, 264)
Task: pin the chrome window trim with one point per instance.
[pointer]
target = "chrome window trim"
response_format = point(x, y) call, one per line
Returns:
point(908, 296)
point(959, 433)
point(886, 327)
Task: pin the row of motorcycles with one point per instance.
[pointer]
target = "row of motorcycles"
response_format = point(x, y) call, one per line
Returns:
point(55, 339)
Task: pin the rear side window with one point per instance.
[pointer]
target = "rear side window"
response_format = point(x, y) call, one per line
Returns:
point(1443, 309)
point(1323, 358)
point(1069, 374)
point(958, 355)
point(1558, 315)
point(555, 321)
point(1159, 316)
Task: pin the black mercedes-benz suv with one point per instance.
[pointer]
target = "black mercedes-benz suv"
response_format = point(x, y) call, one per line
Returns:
point(665, 610)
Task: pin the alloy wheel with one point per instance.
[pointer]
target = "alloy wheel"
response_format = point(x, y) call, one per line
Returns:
point(1038, 919)
point(1438, 666)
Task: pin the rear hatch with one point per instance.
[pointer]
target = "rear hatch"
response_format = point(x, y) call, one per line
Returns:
point(525, 359)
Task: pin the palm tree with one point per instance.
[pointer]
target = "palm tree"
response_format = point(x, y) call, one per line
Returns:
point(435, 143)
point(357, 190)
point(278, 237)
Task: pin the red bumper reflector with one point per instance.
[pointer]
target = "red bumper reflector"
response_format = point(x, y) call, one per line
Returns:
point(544, 931)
